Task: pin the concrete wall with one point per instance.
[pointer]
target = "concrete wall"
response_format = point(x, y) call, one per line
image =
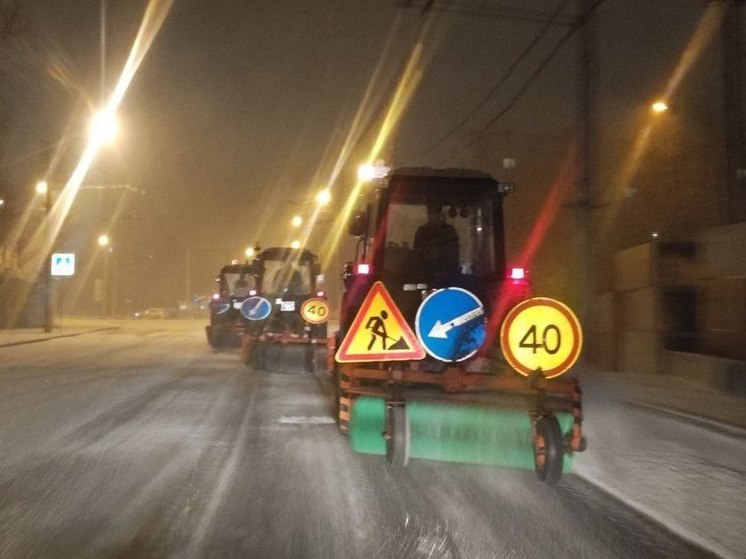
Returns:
point(655, 304)
point(676, 308)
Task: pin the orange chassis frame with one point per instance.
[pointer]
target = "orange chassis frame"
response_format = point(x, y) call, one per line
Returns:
point(389, 379)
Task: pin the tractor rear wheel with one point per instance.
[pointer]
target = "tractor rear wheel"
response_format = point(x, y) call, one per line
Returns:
point(548, 449)
point(397, 436)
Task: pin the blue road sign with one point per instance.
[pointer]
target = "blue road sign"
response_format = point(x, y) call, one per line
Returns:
point(450, 324)
point(256, 308)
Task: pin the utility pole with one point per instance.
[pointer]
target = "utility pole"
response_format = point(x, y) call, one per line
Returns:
point(187, 278)
point(584, 197)
point(47, 268)
point(734, 79)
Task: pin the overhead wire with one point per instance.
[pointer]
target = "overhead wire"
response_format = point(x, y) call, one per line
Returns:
point(579, 23)
point(504, 78)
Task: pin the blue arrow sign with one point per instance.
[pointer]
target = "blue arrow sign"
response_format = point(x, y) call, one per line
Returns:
point(256, 308)
point(450, 324)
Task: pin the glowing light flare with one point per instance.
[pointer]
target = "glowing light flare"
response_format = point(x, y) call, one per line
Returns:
point(366, 172)
point(554, 201)
point(297, 221)
point(155, 15)
point(41, 187)
point(324, 197)
point(703, 34)
point(404, 93)
point(103, 240)
point(40, 244)
point(104, 127)
point(627, 173)
point(249, 252)
point(701, 37)
point(659, 107)
point(295, 244)
point(374, 89)
point(517, 273)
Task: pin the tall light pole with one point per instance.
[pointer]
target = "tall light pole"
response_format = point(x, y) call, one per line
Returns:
point(103, 242)
point(42, 188)
point(103, 52)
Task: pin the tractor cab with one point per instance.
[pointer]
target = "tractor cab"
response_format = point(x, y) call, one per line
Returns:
point(289, 306)
point(424, 229)
point(235, 283)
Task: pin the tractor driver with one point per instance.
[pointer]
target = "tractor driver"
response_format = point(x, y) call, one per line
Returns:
point(438, 243)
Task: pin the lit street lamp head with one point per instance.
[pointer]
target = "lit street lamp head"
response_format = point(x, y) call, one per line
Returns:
point(659, 107)
point(323, 197)
point(42, 187)
point(103, 240)
point(104, 127)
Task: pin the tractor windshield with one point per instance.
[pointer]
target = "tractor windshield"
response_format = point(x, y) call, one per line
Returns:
point(451, 234)
point(238, 284)
point(287, 277)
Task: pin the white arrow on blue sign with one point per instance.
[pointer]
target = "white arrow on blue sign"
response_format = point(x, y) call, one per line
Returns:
point(63, 264)
point(450, 324)
point(256, 308)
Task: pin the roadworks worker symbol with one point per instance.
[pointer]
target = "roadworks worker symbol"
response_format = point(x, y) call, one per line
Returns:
point(379, 332)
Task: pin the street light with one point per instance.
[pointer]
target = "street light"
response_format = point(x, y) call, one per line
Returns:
point(370, 171)
point(297, 221)
point(323, 197)
point(659, 107)
point(295, 244)
point(104, 127)
point(249, 252)
point(42, 189)
point(103, 240)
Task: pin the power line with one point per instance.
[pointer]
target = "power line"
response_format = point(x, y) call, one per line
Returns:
point(580, 22)
point(508, 73)
point(496, 12)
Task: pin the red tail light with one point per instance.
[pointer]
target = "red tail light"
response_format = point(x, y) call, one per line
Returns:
point(517, 273)
point(363, 268)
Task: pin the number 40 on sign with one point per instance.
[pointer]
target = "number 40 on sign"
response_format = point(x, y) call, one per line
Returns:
point(541, 334)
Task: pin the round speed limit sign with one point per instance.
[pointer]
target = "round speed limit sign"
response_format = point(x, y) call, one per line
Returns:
point(315, 310)
point(541, 334)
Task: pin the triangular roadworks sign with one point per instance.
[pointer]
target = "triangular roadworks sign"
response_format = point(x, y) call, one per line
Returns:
point(379, 332)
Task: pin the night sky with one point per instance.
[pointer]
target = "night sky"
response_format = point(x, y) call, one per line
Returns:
point(240, 110)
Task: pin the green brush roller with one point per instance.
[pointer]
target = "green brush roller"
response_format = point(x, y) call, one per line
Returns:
point(465, 433)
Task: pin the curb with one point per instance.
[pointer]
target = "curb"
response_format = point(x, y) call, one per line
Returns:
point(54, 337)
point(715, 425)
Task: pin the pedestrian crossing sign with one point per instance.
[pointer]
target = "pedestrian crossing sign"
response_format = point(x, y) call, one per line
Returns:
point(379, 332)
point(63, 264)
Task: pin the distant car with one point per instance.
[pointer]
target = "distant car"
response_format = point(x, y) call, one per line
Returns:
point(153, 312)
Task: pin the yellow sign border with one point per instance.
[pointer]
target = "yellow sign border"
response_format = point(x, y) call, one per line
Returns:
point(573, 321)
point(315, 300)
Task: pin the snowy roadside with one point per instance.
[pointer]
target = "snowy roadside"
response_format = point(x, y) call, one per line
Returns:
point(688, 475)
